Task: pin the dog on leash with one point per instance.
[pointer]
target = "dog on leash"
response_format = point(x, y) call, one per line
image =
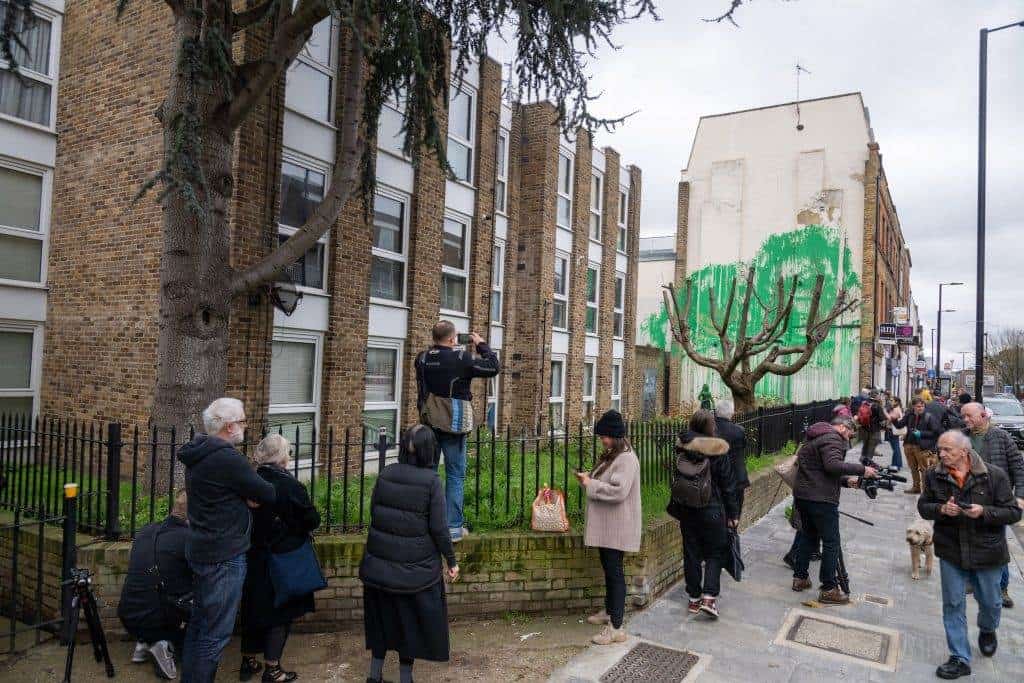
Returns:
point(919, 538)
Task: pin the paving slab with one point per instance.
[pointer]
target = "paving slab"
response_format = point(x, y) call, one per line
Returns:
point(741, 645)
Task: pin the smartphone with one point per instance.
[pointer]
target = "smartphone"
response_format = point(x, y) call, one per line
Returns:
point(464, 339)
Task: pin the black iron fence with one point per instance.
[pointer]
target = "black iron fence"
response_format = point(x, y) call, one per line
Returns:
point(128, 476)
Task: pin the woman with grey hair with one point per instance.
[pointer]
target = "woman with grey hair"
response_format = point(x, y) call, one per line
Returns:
point(281, 527)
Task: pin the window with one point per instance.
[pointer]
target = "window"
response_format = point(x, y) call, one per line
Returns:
point(387, 277)
point(302, 190)
point(560, 303)
point(620, 294)
point(623, 220)
point(390, 136)
point(593, 281)
point(22, 223)
point(501, 173)
point(309, 87)
point(17, 389)
point(492, 403)
point(596, 206)
point(617, 385)
point(454, 265)
point(460, 135)
point(29, 95)
point(295, 389)
point(589, 375)
point(383, 391)
point(497, 280)
point(564, 217)
point(556, 398)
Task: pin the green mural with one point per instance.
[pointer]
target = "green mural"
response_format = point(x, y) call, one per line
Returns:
point(806, 252)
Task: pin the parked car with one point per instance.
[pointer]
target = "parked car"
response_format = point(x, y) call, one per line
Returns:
point(1008, 414)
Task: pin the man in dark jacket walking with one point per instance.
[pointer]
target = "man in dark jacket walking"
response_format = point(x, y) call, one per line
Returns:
point(222, 487)
point(996, 447)
point(922, 432)
point(734, 435)
point(870, 433)
point(447, 372)
point(821, 471)
point(971, 504)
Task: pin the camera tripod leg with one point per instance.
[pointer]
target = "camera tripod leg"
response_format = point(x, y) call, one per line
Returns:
point(842, 578)
point(99, 638)
point(72, 627)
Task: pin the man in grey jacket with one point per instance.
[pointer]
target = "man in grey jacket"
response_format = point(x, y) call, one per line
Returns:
point(996, 447)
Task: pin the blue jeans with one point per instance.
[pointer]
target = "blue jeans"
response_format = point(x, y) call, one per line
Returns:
point(218, 592)
point(897, 452)
point(954, 604)
point(1004, 580)
point(454, 448)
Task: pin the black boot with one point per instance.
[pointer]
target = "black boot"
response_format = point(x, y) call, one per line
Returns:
point(275, 674)
point(250, 667)
point(987, 643)
point(954, 668)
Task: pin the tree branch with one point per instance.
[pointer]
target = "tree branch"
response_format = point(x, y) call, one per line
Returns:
point(342, 184)
point(680, 324)
point(254, 15)
point(723, 328)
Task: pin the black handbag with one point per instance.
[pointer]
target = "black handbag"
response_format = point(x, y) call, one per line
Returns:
point(733, 559)
point(295, 574)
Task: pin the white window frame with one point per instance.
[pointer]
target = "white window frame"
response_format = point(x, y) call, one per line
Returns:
point(466, 256)
point(284, 334)
point(493, 399)
point(497, 282)
point(560, 400)
point(45, 209)
point(596, 304)
point(562, 154)
point(589, 398)
point(596, 208)
point(619, 309)
point(397, 107)
point(622, 240)
point(564, 298)
point(471, 92)
point(398, 346)
point(402, 258)
point(36, 360)
point(330, 70)
point(501, 178)
point(51, 79)
point(311, 164)
point(616, 398)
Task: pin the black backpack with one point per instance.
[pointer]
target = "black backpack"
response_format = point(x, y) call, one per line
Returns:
point(692, 487)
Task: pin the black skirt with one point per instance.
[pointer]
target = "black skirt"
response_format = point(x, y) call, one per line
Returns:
point(412, 624)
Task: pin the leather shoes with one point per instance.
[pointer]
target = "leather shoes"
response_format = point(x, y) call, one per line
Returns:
point(801, 584)
point(1007, 600)
point(987, 643)
point(954, 668)
point(835, 596)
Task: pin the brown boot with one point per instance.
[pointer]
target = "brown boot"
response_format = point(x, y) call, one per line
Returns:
point(801, 584)
point(835, 596)
point(915, 475)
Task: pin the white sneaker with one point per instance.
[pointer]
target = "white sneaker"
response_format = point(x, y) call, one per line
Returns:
point(609, 635)
point(140, 655)
point(163, 659)
point(599, 619)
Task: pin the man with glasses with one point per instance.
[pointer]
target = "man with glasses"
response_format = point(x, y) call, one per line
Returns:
point(222, 487)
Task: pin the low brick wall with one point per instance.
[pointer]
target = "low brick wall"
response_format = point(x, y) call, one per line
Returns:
point(501, 572)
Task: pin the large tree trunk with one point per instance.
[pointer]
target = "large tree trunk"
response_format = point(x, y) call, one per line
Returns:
point(743, 398)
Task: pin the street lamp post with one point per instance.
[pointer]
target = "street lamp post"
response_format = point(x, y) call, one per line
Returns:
point(979, 326)
point(938, 327)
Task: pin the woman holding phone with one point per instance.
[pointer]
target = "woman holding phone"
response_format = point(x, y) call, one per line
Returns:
point(613, 519)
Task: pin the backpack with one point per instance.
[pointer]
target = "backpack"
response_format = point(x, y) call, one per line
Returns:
point(692, 488)
point(864, 415)
point(444, 413)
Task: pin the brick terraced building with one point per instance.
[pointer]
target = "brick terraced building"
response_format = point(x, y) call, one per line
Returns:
point(532, 244)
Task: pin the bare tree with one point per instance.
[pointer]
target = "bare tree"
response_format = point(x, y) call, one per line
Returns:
point(392, 49)
point(736, 365)
point(1005, 358)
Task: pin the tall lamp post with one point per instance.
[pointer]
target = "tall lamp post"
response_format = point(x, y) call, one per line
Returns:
point(938, 327)
point(979, 326)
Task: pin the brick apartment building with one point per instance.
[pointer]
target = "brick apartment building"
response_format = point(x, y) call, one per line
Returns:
point(533, 245)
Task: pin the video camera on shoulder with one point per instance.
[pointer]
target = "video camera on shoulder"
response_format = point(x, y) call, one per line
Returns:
point(886, 479)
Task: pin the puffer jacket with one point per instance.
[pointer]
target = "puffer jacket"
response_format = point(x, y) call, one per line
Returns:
point(926, 423)
point(821, 465)
point(408, 531)
point(970, 543)
point(695, 447)
point(998, 448)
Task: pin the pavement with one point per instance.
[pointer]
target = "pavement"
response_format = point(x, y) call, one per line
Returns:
point(756, 614)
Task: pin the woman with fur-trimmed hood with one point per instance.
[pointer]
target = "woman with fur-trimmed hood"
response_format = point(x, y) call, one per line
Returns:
point(704, 501)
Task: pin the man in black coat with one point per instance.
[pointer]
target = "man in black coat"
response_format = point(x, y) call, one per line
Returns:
point(156, 596)
point(871, 432)
point(734, 435)
point(972, 504)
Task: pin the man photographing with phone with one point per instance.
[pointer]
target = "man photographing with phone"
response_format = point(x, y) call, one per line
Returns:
point(444, 373)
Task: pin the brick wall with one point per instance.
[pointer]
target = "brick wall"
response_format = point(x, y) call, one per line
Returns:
point(675, 392)
point(868, 353)
point(629, 405)
point(606, 297)
point(583, 170)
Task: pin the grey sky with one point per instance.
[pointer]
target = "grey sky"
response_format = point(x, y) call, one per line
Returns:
point(916, 62)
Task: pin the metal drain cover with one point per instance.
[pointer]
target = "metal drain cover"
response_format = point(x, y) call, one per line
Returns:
point(652, 664)
point(841, 639)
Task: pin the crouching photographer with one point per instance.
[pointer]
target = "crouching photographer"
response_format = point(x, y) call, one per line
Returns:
point(821, 471)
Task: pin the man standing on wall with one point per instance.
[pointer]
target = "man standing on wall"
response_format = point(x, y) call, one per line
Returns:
point(444, 373)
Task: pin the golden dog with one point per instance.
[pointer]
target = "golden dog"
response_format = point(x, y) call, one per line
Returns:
point(919, 538)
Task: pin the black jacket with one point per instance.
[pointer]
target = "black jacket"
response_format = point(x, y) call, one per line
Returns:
point(945, 416)
point(219, 480)
point(448, 372)
point(408, 531)
point(148, 598)
point(926, 423)
point(821, 465)
point(965, 542)
point(999, 449)
point(695, 447)
point(279, 527)
point(737, 440)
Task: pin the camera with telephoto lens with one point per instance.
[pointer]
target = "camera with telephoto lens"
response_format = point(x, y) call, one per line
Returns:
point(886, 479)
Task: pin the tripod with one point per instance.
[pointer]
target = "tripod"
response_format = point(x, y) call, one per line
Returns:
point(842, 577)
point(83, 599)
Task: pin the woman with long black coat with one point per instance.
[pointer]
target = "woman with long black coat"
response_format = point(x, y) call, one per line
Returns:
point(404, 608)
point(277, 528)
